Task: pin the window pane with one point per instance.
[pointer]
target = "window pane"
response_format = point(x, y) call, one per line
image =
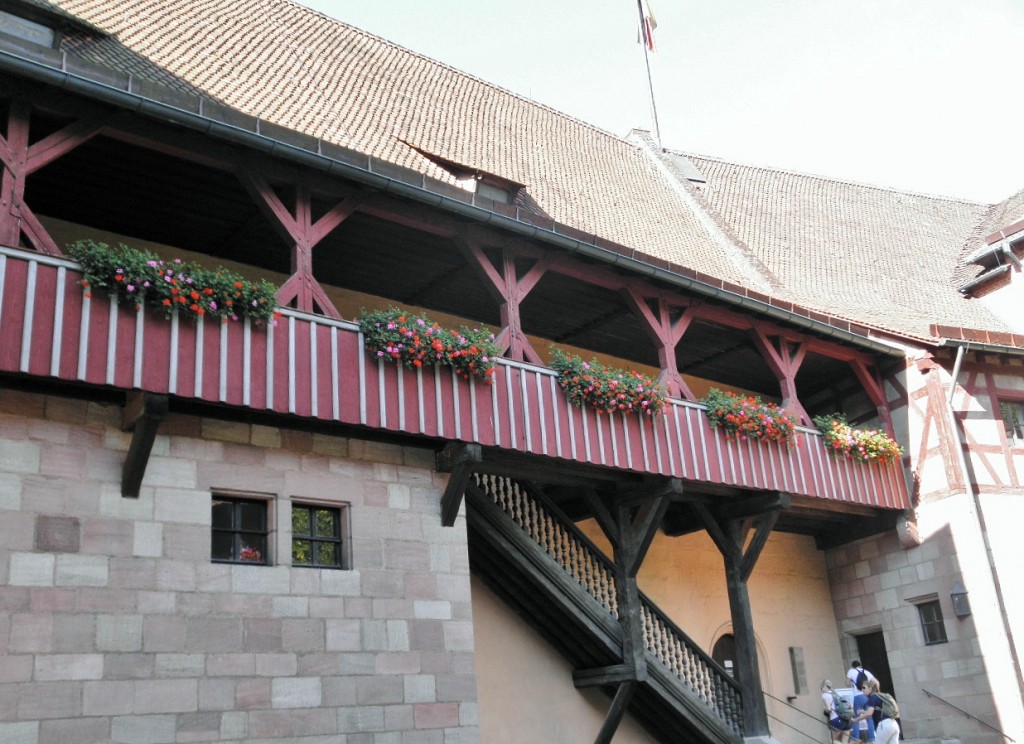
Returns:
point(1012, 413)
point(302, 552)
point(326, 523)
point(931, 623)
point(300, 520)
point(251, 515)
point(223, 512)
point(327, 554)
point(221, 545)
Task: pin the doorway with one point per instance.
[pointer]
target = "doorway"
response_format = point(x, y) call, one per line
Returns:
point(872, 654)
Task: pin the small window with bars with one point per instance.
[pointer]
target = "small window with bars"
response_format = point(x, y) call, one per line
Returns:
point(239, 530)
point(1012, 412)
point(931, 623)
point(316, 536)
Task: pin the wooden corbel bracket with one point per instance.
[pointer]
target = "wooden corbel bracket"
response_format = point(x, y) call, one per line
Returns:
point(142, 415)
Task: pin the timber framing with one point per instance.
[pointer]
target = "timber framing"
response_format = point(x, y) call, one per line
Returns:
point(662, 313)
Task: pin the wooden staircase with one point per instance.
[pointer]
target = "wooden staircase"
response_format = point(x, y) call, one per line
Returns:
point(553, 576)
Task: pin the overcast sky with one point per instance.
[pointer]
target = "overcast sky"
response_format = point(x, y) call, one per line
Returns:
point(914, 94)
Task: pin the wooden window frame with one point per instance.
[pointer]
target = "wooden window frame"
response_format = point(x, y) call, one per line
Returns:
point(237, 531)
point(1011, 411)
point(933, 625)
point(338, 539)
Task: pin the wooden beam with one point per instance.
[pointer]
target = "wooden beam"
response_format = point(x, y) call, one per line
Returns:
point(615, 713)
point(459, 460)
point(754, 506)
point(601, 676)
point(142, 415)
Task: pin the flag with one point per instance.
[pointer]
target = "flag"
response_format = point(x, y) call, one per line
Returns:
point(647, 24)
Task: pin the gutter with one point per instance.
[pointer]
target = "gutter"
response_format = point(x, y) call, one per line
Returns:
point(51, 74)
point(963, 346)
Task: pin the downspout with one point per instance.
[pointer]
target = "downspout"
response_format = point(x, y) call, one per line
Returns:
point(967, 473)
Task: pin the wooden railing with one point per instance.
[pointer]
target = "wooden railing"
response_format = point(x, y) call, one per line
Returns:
point(314, 367)
point(557, 536)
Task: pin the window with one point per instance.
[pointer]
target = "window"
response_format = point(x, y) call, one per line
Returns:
point(239, 533)
point(316, 536)
point(1012, 412)
point(931, 623)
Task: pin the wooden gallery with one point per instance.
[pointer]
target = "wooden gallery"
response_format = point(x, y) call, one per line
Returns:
point(348, 398)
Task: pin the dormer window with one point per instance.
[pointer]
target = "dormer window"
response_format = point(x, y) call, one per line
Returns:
point(487, 185)
point(26, 30)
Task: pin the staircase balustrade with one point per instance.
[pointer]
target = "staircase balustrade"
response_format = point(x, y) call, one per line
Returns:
point(566, 544)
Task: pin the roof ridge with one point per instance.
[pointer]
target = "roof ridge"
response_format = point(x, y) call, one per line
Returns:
point(832, 179)
point(737, 252)
point(463, 73)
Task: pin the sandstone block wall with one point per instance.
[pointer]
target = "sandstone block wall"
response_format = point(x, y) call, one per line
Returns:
point(116, 626)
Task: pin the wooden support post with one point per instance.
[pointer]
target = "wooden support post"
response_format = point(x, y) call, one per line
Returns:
point(876, 391)
point(784, 364)
point(728, 530)
point(509, 290)
point(15, 216)
point(458, 460)
point(303, 234)
point(630, 518)
point(142, 415)
point(665, 333)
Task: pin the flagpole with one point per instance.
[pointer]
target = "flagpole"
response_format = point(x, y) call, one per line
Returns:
point(645, 40)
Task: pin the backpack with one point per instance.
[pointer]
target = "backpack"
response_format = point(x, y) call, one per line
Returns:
point(889, 706)
point(862, 677)
point(843, 708)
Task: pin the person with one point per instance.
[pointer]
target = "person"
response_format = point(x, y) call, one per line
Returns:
point(839, 728)
point(854, 672)
point(888, 731)
point(873, 706)
point(864, 722)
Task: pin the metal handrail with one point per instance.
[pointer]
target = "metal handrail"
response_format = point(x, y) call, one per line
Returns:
point(969, 715)
point(818, 721)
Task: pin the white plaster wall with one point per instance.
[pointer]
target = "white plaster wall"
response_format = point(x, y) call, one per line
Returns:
point(525, 691)
point(1007, 301)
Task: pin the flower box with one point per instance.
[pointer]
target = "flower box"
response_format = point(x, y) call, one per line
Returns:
point(606, 389)
point(744, 416)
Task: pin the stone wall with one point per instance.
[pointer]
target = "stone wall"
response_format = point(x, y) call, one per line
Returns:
point(116, 626)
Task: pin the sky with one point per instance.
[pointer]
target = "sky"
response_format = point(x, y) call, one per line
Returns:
point(919, 95)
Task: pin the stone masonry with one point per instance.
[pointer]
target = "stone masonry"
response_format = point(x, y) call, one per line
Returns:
point(115, 625)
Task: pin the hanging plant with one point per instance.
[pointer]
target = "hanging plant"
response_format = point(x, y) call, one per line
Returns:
point(865, 445)
point(606, 389)
point(415, 340)
point(743, 416)
point(138, 278)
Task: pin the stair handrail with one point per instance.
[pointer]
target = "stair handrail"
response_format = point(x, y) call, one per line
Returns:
point(595, 572)
point(820, 722)
point(969, 715)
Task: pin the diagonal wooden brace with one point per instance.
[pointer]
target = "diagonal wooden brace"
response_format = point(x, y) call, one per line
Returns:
point(142, 415)
point(458, 460)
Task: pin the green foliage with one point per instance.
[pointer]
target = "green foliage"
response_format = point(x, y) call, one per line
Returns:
point(140, 278)
point(606, 389)
point(865, 445)
point(742, 416)
point(415, 340)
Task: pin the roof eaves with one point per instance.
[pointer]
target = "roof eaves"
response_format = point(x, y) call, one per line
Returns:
point(206, 116)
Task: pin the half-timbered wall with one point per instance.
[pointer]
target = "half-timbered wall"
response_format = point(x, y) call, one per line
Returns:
point(964, 534)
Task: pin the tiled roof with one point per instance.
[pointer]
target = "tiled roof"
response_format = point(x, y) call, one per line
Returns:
point(298, 68)
point(882, 257)
point(998, 217)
